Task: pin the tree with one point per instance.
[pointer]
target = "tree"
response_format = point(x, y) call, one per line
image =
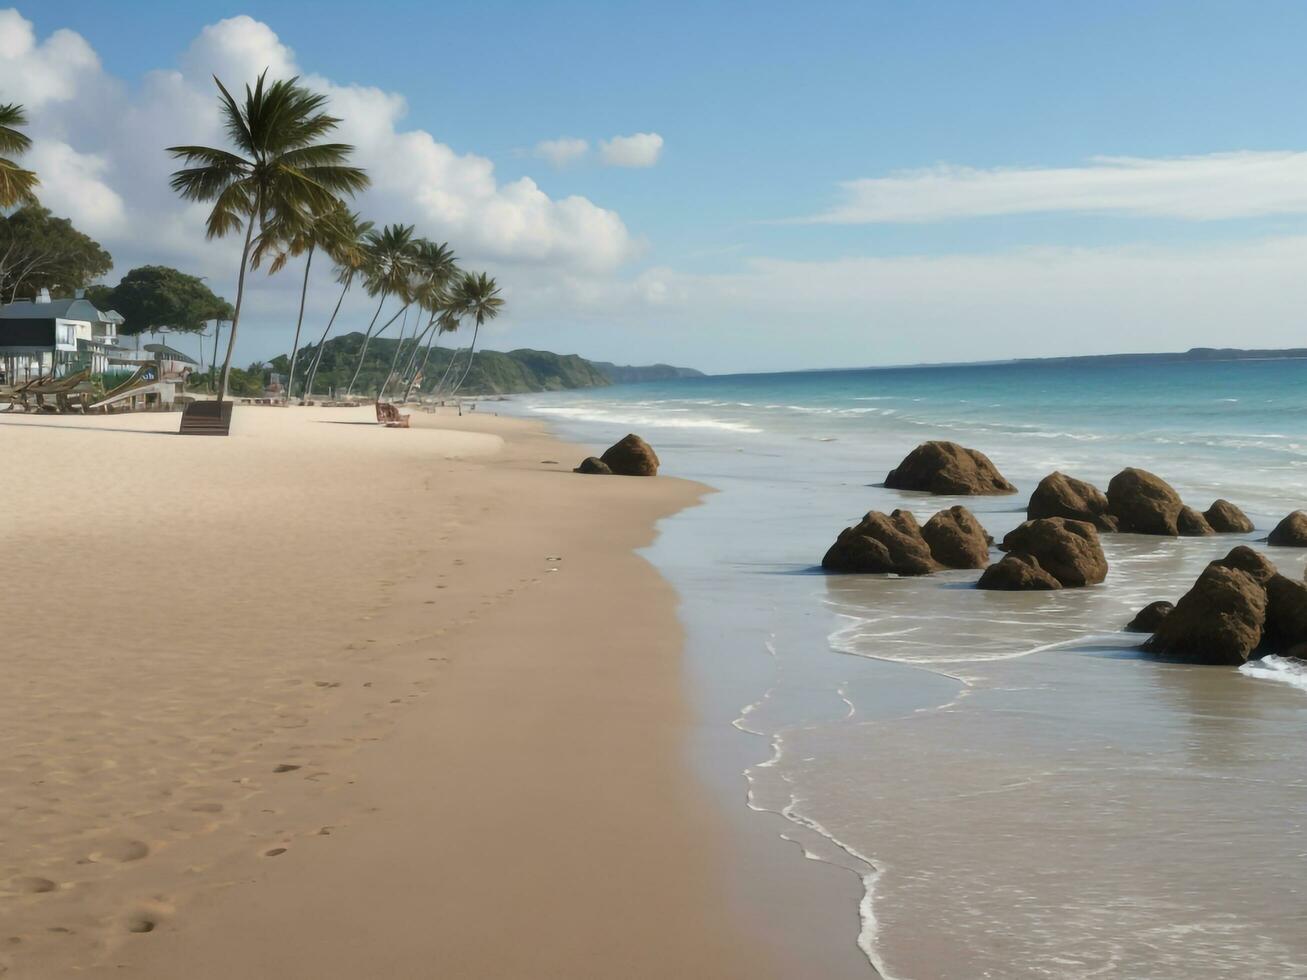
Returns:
point(434, 269)
point(279, 167)
point(17, 186)
point(476, 296)
point(154, 296)
point(386, 272)
point(38, 250)
point(348, 253)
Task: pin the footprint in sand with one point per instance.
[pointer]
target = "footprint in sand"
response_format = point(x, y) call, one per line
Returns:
point(140, 923)
point(121, 851)
point(207, 808)
point(285, 767)
point(32, 885)
point(274, 852)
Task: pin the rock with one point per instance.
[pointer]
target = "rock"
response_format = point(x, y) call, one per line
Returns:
point(1143, 503)
point(1291, 532)
point(1148, 619)
point(1218, 621)
point(1245, 559)
point(1192, 524)
point(1067, 550)
point(1286, 614)
point(1059, 495)
point(1225, 518)
point(593, 464)
point(631, 456)
point(880, 544)
point(947, 468)
point(956, 539)
point(1017, 573)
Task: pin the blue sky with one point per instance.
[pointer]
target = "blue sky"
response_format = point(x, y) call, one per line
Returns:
point(766, 110)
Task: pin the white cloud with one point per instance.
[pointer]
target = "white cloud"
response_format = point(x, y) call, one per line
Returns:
point(637, 150)
point(73, 185)
point(1199, 188)
point(562, 151)
point(35, 74)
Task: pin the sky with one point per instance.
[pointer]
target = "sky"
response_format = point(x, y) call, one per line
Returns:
point(732, 186)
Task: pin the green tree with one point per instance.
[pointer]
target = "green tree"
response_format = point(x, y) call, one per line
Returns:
point(279, 166)
point(387, 271)
point(477, 296)
point(38, 250)
point(435, 268)
point(154, 296)
point(17, 186)
point(349, 255)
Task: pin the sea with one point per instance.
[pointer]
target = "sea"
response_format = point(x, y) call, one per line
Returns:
point(1017, 789)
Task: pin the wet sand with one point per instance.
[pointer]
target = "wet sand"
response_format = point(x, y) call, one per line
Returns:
point(329, 700)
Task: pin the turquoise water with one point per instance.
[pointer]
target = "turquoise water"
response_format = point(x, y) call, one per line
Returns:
point(1019, 791)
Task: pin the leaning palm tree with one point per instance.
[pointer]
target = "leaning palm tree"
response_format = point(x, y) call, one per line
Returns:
point(435, 268)
point(348, 253)
point(17, 186)
point(387, 273)
point(477, 296)
point(300, 233)
point(447, 322)
point(278, 167)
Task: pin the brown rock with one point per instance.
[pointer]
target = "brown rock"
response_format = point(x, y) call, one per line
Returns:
point(956, 539)
point(1067, 550)
point(1143, 503)
point(1218, 621)
point(1192, 524)
point(1291, 532)
point(631, 456)
point(593, 464)
point(1150, 617)
point(1225, 518)
point(882, 543)
point(1059, 495)
point(1017, 573)
point(1286, 614)
point(947, 468)
point(1247, 560)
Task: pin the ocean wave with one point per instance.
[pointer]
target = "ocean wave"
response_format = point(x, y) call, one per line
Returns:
point(591, 414)
point(1287, 670)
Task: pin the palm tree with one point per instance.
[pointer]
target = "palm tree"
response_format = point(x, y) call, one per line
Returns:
point(17, 186)
point(447, 322)
point(387, 273)
point(348, 253)
point(294, 234)
point(279, 168)
point(435, 268)
point(477, 296)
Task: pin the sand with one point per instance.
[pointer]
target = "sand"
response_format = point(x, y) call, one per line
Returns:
point(329, 700)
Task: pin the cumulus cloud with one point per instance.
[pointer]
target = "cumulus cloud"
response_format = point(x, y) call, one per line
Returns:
point(636, 150)
point(562, 151)
point(1199, 188)
point(38, 73)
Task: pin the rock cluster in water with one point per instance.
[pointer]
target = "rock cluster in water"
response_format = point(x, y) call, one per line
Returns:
point(1291, 532)
point(895, 543)
point(631, 456)
point(1048, 553)
point(945, 468)
point(1239, 607)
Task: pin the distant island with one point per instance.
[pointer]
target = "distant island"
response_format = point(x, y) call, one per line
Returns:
point(1192, 354)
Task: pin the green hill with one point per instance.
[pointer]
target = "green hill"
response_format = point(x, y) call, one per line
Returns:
point(493, 372)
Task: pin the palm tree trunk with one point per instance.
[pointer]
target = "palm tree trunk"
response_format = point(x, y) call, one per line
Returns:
point(363, 353)
point(471, 353)
point(213, 365)
point(395, 360)
point(440, 385)
point(413, 357)
point(295, 346)
point(416, 375)
point(317, 358)
point(240, 295)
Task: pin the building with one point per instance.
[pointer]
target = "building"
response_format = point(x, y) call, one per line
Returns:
point(57, 336)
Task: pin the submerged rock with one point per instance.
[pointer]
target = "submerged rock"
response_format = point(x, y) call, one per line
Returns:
point(1068, 550)
point(1225, 518)
point(1144, 503)
point(1148, 619)
point(631, 456)
point(882, 543)
point(593, 464)
point(1218, 621)
point(1291, 532)
point(956, 539)
point(1192, 524)
point(1059, 495)
point(1017, 573)
point(947, 468)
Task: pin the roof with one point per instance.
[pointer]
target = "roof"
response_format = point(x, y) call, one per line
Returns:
point(64, 309)
point(171, 353)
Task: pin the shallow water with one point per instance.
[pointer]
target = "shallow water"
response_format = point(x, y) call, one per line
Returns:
point(1022, 793)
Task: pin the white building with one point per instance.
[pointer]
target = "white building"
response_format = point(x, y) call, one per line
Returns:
point(56, 336)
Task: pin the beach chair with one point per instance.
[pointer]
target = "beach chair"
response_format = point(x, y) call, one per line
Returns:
point(19, 397)
point(389, 416)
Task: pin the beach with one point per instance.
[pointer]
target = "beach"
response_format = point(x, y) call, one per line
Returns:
point(326, 699)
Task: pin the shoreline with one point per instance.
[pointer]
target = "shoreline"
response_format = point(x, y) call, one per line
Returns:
point(493, 786)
